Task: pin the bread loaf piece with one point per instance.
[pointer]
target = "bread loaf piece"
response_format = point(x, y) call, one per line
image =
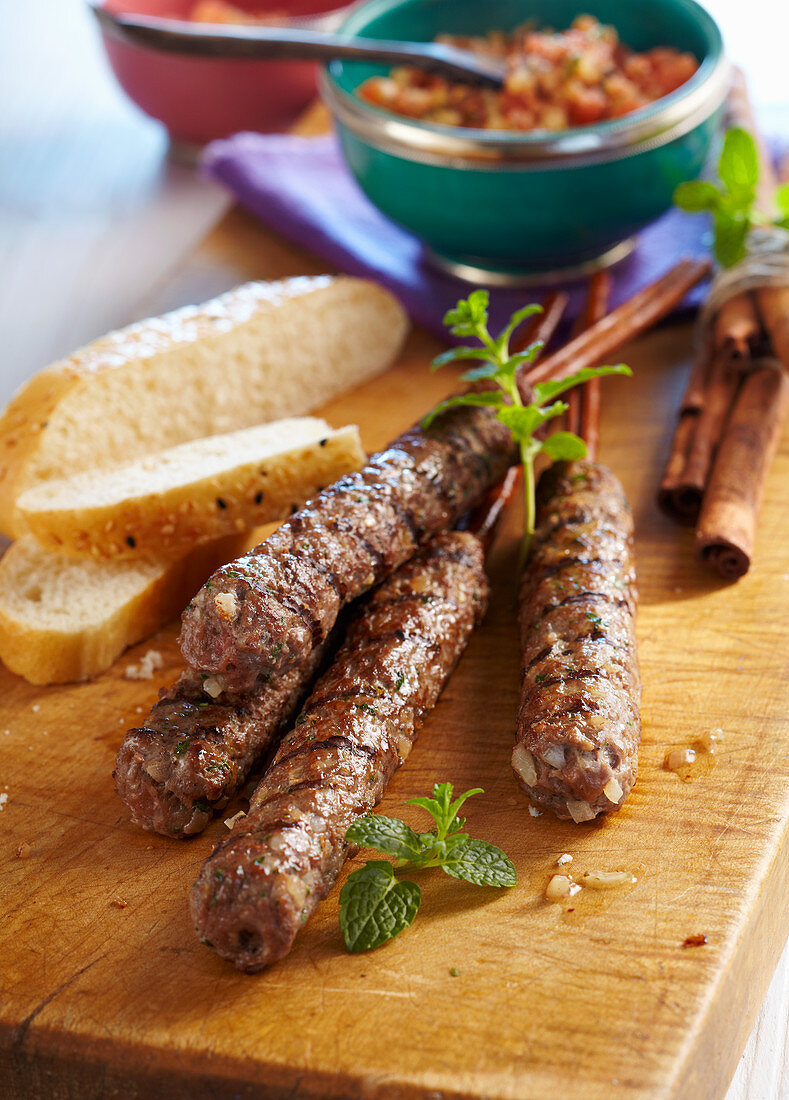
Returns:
point(193, 493)
point(258, 353)
point(63, 620)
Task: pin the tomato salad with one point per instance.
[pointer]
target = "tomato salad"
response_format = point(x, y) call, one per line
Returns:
point(554, 80)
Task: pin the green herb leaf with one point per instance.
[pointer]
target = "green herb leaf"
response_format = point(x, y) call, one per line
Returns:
point(695, 196)
point(781, 198)
point(375, 906)
point(387, 834)
point(545, 391)
point(732, 205)
point(564, 447)
point(738, 166)
point(474, 399)
point(482, 863)
point(731, 235)
point(470, 315)
point(453, 354)
point(524, 420)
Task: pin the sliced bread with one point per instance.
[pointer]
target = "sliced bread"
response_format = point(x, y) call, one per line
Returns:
point(257, 353)
point(193, 493)
point(63, 620)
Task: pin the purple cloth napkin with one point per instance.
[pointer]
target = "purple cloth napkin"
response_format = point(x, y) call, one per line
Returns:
point(302, 188)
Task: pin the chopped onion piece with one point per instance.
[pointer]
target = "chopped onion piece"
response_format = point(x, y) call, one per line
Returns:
point(534, 811)
point(230, 821)
point(580, 811)
point(607, 880)
point(554, 756)
point(212, 687)
point(613, 791)
point(523, 763)
point(561, 887)
point(563, 859)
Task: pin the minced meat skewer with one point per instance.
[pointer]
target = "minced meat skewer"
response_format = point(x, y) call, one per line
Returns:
point(266, 611)
point(579, 722)
point(263, 881)
point(194, 751)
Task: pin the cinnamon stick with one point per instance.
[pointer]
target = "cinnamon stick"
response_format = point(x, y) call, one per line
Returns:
point(727, 525)
point(544, 324)
point(624, 323)
point(589, 418)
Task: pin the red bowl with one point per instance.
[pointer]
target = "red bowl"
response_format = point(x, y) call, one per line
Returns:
point(199, 99)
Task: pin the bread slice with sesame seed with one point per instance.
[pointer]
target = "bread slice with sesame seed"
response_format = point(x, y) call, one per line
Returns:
point(64, 620)
point(193, 493)
point(258, 353)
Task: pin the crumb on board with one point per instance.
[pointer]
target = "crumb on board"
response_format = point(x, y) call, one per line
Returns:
point(696, 940)
point(150, 662)
point(3, 800)
point(534, 811)
point(36, 708)
point(119, 903)
point(230, 821)
point(23, 851)
point(454, 972)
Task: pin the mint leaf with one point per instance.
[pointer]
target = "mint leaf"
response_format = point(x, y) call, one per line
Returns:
point(695, 196)
point(470, 318)
point(473, 399)
point(453, 354)
point(731, 235)
point(518, 317)
point(781, 198)
point(387, 834)
point(738, 166)
point(481, 863)
point(524, 420)
point(564, 447)
point(375, 906)
point(470, 315)
point(544, 391)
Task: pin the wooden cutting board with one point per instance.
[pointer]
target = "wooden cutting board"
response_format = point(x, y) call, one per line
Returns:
point(105, 991)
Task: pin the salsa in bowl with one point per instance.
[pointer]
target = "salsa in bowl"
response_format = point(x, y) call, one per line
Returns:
point(500, 202)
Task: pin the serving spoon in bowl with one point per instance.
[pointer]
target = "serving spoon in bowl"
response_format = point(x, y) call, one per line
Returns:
point(296, 42)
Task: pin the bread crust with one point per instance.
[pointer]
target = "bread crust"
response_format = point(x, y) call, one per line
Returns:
point(235, 361)
point(102, 517)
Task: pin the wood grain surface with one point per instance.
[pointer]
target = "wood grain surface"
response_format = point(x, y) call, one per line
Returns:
point(97, 1001)
point(102, 998)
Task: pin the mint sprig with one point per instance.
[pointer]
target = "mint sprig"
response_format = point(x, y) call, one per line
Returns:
point(375, 906)
point(732, 204)
point(470, 318)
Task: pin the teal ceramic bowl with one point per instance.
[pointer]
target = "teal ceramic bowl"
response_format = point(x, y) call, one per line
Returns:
point(498, 205)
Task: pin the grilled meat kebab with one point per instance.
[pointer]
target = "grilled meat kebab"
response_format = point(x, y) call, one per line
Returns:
point(579, 723)
point(264, 880)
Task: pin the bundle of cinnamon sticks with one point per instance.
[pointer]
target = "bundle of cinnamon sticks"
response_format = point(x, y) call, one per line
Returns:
point(734, 406)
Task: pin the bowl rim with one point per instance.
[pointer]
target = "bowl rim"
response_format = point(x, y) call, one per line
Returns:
point(655, 124)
